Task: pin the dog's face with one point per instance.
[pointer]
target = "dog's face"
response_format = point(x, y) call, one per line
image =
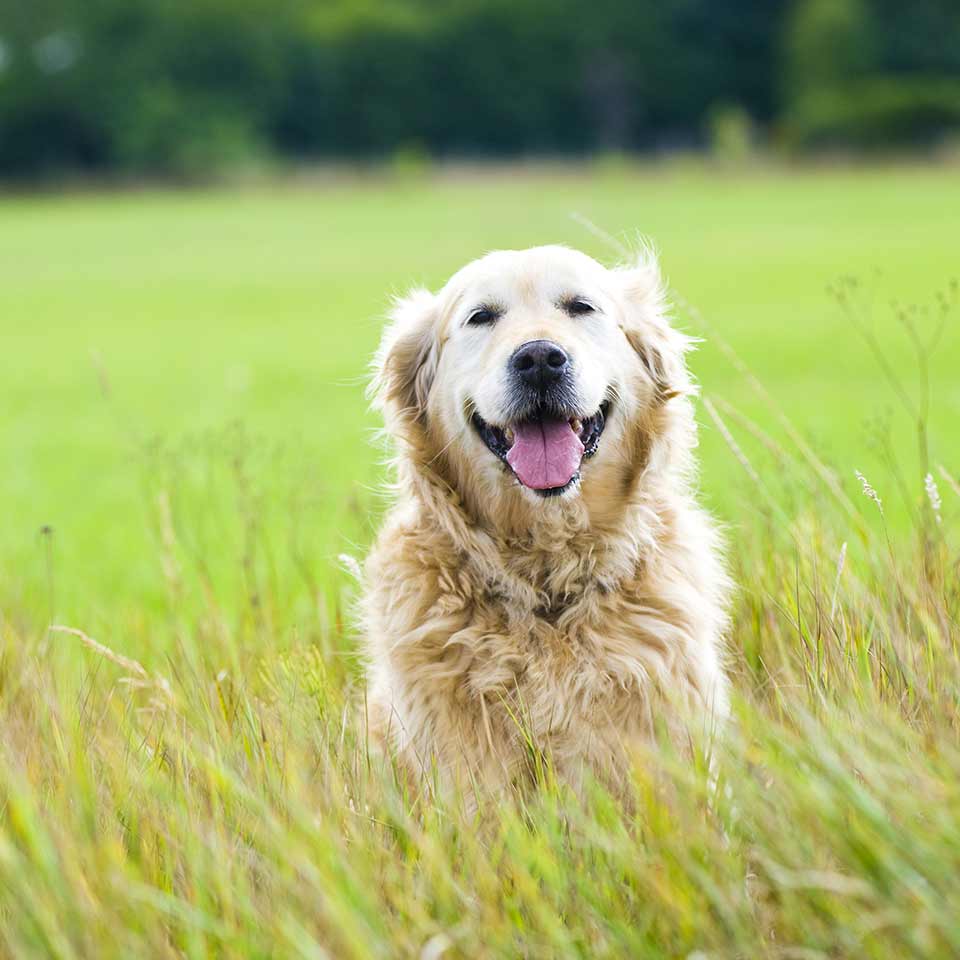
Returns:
point(531, 371)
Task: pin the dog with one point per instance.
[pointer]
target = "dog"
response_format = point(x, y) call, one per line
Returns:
point(545, 588)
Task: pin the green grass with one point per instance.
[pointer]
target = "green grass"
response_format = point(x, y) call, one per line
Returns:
point(261, 307)
point(183, 408)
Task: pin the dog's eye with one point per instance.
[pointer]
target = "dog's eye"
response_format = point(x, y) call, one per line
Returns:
point(578, 307)
point(482, 317)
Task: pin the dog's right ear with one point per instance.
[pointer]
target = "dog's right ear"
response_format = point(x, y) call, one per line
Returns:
point(406, 362)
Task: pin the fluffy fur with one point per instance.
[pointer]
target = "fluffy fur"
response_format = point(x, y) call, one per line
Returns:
point(500, 624)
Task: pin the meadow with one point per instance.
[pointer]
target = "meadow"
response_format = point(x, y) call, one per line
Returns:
point(187, 455)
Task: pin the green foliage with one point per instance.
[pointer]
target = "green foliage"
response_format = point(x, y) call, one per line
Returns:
point(731, 134)
point(174, 87)
point(829, 43)
point(875, 112)
point(851, 81)
point(138, 85)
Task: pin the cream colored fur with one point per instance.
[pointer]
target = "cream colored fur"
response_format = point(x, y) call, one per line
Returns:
point(499, 624)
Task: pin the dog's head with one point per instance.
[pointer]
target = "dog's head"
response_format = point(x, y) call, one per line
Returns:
point(532, 374)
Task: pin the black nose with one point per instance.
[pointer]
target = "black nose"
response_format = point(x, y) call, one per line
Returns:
point(539, 363)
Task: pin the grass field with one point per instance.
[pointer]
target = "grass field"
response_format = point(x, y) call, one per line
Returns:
point(186, 452)
point(208, 313)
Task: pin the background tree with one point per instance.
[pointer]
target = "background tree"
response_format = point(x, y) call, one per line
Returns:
point(187, 87)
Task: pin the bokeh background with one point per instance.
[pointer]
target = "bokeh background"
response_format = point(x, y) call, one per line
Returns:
point(180, 86)
point(207, 205)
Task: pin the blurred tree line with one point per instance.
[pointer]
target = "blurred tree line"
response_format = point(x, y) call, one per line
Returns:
point(185, 86)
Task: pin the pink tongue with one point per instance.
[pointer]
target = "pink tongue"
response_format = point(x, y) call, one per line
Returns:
point(545, 455)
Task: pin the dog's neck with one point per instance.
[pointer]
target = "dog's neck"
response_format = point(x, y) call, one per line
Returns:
point(551, 550)
point(548, 552)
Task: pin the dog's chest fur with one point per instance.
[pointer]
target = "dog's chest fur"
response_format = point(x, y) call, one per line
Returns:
point(567, 650)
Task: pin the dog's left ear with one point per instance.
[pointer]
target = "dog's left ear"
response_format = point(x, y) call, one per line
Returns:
point(406, 362)
point(661, 348)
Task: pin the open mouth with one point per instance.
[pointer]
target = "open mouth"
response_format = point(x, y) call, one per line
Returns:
point(545, 451)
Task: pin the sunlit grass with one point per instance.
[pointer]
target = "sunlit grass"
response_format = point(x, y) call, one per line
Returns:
point(137, 327)
point(184, 769)
point(223, 800)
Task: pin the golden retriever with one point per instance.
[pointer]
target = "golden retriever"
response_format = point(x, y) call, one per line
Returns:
point(545, 583)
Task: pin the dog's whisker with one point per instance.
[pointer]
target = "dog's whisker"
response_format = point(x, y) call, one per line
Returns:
point(457, 436)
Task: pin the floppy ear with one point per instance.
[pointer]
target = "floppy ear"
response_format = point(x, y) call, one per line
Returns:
point(405, 363)
point(659, 346)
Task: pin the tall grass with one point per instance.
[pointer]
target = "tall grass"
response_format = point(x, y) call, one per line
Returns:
point(222, 799)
